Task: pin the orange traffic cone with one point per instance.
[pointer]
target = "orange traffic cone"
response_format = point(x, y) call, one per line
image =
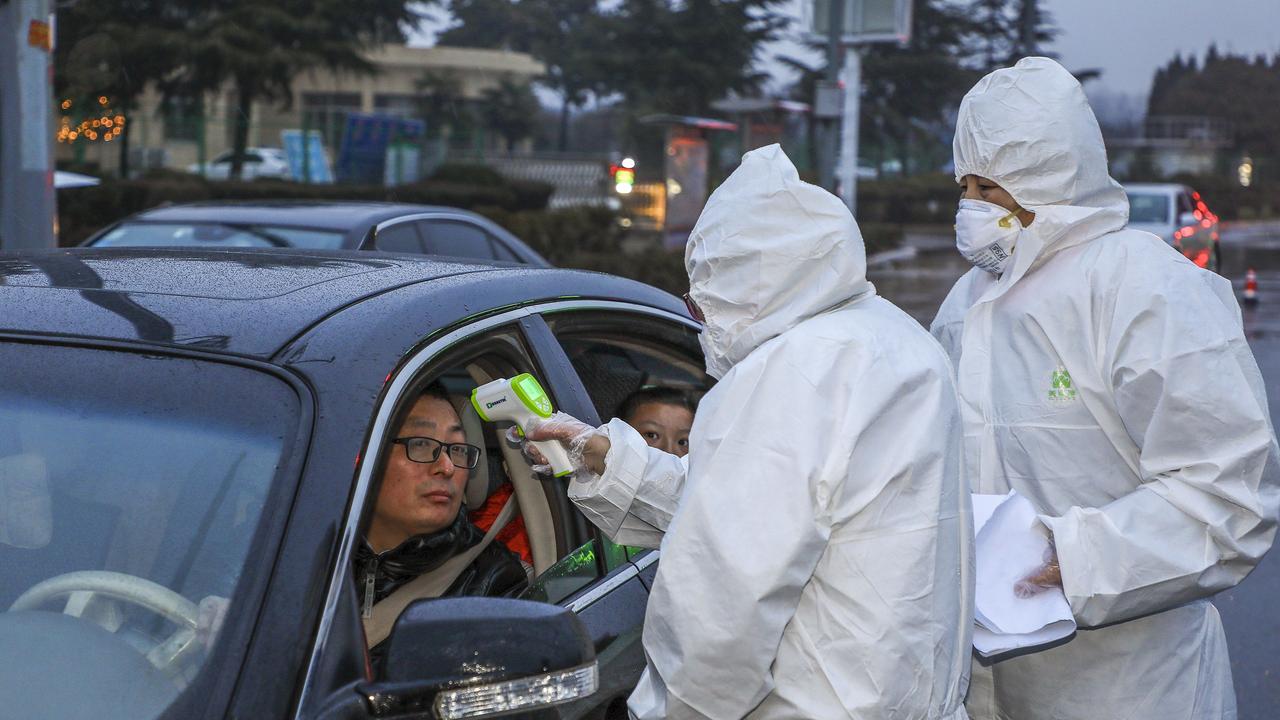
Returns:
point(1250, 287)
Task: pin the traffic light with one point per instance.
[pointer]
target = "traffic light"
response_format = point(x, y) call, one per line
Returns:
point(624, 175)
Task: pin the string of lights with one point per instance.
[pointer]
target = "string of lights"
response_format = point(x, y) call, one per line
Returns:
point(105, 127)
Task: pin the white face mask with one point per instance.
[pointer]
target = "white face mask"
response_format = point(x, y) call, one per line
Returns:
point(986, 234)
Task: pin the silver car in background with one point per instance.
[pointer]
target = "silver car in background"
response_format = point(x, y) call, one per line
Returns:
point(1179, 216)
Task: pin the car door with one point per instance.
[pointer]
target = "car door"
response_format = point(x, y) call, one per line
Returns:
point(571, 564)
point(596, 353)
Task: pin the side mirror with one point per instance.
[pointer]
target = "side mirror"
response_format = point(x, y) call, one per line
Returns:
point(1186, 219)
point(476, 657)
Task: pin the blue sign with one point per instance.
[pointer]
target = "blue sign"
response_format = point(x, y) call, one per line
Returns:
point(363, 157)
point(315, 165)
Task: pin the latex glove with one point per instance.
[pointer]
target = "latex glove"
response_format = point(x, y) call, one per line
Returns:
point(1048, 575)
point(587, 446)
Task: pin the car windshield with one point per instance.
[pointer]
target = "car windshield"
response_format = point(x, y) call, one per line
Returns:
point(149, 234)
point(131, 488)
point(1148, 207)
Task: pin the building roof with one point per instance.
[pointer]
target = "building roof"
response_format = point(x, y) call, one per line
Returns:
point(467, 59)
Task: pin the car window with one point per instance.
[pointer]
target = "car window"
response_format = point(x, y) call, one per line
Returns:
point(149, 234)
point(536, 536)
point(130, 507)
point(502, 252)
point(399, 238)
point(457, 239)
point(616, 354)
point(1184, 203)
point(304, 237)
point(1148, 207)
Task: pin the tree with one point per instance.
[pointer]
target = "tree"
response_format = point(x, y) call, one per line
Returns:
point(567, 39)
point(1234, 88)
point(562, 34)
point(260, 47)
point(510, 109)
point(910, 92)
point(442, 102)
point(1011, 30)
point(679, 57)
point(495, 24)
point(115, 49)
point(1033, 30)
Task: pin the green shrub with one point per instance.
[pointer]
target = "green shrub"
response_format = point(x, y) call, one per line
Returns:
point(920, 199)
point(590, 238)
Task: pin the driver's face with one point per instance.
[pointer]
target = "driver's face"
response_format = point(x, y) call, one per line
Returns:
point(416, 497)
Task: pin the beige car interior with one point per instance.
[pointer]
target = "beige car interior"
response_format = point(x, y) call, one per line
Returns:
point(530, 493)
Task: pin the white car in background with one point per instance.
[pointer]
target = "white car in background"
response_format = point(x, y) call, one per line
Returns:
point(1179, 216)
point(259, 162)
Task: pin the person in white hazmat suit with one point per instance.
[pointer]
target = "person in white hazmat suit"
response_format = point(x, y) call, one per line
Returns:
point(1107, 379)
point(819, 561)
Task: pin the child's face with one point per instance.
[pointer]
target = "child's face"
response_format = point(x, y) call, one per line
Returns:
point(665, 427)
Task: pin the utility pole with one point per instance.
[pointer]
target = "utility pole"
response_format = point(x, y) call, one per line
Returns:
point(830, 127)
point(27, 209)
point(1028, 28)
point(848, 172)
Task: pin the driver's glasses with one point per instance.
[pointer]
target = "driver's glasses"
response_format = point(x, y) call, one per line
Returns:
point(427, 450)
point(695, 312)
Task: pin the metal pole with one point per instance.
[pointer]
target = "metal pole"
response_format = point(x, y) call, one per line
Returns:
point(830, 135)
point(849, 127)
point(306, 146)
point(201, 157)
point(27, 203)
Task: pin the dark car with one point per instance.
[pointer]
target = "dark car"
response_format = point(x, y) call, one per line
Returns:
point(390, 227)
point(183, 430)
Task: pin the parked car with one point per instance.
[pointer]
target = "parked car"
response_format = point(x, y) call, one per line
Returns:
point(1180, 217)
point(181, 424)
point(258, 162)
point(391, 227)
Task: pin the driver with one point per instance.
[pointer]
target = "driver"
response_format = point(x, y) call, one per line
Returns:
point(420, 521)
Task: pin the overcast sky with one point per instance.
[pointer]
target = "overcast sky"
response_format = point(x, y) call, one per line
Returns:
point(1127, 39)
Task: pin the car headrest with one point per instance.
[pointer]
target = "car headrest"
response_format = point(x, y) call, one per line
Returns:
point(477, 490)
point(26, 505)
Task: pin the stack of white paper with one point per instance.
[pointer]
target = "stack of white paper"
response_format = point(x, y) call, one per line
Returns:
point(1011, 543)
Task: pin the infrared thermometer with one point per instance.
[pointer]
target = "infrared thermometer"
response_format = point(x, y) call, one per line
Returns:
point(520, 400)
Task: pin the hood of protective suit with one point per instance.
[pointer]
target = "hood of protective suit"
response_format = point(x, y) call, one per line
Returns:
point(768, 252)
point(1030, 129)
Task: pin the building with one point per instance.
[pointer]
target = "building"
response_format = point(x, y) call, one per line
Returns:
point(178, 134)
point(1171, 145)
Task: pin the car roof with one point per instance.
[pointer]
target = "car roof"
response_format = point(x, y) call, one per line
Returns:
point(254, 302)
point(325, 215)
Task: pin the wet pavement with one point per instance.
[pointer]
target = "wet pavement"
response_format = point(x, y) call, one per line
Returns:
point(1251, 611)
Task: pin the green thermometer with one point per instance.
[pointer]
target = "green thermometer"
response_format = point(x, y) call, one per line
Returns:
point(520, 400)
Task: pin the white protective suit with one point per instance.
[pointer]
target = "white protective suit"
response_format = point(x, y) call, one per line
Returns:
point(819, 564)
point(1107, 379)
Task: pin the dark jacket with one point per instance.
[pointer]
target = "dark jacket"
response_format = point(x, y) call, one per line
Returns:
point(496, 571)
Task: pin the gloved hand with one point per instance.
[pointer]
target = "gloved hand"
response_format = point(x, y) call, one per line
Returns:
point(587, 446)
point(1048, 575)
